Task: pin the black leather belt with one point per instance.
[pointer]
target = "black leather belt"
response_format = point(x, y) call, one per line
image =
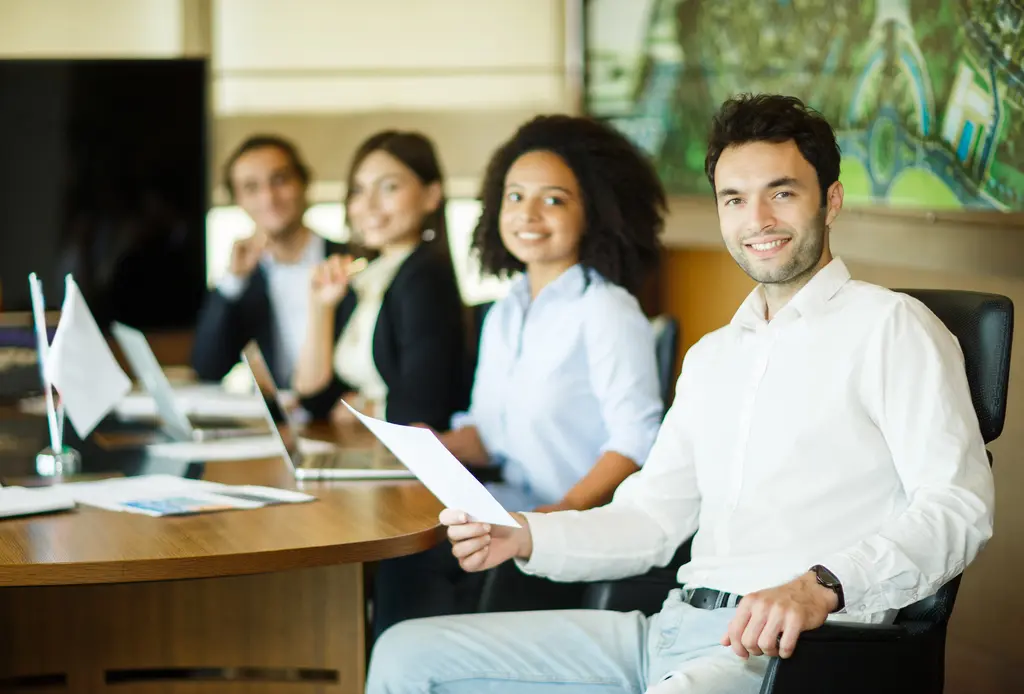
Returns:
point(708, 599)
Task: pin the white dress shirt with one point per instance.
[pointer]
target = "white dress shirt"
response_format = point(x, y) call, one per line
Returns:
point(288, 293)
point(839, 433)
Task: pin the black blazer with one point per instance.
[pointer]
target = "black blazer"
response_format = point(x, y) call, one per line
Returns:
point(418, 344)
point(224, 327)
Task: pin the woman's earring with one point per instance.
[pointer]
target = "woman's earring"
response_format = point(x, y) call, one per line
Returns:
point(429, 235)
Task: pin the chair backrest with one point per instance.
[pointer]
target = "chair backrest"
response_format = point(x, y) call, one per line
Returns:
point(983, 324)
point(666, 344)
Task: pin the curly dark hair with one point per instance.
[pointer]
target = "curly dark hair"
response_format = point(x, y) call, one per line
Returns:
point(775, 118)
point(623, 200)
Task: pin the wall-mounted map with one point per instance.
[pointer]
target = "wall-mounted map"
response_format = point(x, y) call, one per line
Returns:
point(926, 96)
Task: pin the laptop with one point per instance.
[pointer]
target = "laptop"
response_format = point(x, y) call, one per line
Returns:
point(176, 422)
point(372, 461)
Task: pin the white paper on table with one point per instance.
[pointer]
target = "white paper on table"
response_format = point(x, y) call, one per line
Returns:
point(241, 448)
point(118, 493)
point(438, 470)
point(81, 366)
point(21, 501)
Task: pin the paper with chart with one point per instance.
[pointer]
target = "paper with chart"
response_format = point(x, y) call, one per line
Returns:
point(165, 495)
point(438, 470)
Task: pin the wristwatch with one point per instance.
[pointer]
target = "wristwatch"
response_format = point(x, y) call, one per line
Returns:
point(828, 579)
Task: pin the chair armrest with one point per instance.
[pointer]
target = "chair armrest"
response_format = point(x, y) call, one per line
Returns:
point(847, 631)
point(860, 658)
point(486, 473)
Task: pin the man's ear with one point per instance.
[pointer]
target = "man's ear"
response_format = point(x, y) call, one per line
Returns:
point(833, 202)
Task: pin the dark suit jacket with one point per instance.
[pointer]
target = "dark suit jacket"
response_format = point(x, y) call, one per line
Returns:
point(418, 345)
point(225, 327)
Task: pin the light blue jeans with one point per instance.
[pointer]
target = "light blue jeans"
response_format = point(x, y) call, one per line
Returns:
point(572, 651)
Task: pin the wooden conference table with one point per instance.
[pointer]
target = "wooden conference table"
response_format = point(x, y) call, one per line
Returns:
point(259, 600)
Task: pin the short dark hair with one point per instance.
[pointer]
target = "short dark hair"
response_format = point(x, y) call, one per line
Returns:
point(623, 200)
point(417, 152)
point(255, 142)
point(775, 118)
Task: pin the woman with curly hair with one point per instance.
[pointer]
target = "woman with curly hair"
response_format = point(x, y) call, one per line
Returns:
point(565, 398)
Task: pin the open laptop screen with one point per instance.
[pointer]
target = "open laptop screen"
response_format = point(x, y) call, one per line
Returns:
point(277, 414)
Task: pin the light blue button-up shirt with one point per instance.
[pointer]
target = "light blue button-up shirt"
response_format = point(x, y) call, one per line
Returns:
point(561, 380)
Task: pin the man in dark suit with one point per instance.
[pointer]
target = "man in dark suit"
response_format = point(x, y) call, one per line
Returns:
point(265, 295)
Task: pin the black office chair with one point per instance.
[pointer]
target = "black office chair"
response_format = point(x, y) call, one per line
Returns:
point(909, 655)
point(666, 344)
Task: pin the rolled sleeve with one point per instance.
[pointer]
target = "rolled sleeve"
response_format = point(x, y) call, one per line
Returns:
point(624, 373)
point(231, 287)
point(461, 420)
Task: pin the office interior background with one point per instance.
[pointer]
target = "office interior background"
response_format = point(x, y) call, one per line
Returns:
point(327, 73)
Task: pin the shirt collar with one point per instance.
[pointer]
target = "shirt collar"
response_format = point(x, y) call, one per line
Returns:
point(572, 282)
point(813, 296)
point(312, 254)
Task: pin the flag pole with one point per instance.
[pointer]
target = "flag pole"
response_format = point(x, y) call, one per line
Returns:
point(58, 459)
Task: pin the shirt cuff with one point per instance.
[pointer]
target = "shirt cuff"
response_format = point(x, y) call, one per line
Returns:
point(857, 588)
point(548, 555)
point(635, 445)
point(461, 420)
point(231, 286)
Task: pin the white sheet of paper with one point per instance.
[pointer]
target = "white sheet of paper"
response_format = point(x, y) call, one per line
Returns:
point(112, 494)
point(19, 501)
point(241, 448)
point(438, 470)
point(81, 366)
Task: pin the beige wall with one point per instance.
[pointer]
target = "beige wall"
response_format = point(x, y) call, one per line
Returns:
point(93, 28)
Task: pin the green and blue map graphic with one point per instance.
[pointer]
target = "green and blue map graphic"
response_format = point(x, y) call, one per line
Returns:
point(926, 96)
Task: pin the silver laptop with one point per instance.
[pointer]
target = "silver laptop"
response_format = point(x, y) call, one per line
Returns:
point(372, 461)
point(175, 421)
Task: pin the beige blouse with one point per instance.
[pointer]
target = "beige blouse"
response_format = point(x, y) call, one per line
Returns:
point(353, 355)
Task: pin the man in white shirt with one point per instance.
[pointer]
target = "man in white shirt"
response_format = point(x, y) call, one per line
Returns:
point(265, 294)
point(823, 446)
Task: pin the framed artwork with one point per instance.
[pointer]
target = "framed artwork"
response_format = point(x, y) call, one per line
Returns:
point(926, 96)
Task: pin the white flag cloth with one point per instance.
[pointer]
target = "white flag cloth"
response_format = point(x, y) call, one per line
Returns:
point(81, 366)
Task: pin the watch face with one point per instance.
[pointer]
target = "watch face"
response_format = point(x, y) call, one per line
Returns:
point(826, 577)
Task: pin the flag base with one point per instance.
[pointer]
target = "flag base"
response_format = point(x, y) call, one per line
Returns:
point(62, 463)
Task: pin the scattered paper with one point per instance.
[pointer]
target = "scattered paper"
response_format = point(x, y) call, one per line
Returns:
point(241, 448)
point(165, 495)
point(438, 470)
point(81, 366)
point(22, 501)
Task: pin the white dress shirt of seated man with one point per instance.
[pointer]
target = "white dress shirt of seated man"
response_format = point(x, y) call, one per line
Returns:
point(822, 446)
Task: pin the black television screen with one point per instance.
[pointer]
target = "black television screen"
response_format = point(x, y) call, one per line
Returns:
point(103, 175)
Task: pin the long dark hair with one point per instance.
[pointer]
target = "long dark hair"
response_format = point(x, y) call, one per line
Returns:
point(417, 152)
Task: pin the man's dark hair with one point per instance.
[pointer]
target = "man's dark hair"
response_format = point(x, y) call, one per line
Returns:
point(623, 201)
point(259, 142)
point(775, 118)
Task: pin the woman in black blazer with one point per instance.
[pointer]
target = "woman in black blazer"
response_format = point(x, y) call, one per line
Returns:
point(388, 336)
